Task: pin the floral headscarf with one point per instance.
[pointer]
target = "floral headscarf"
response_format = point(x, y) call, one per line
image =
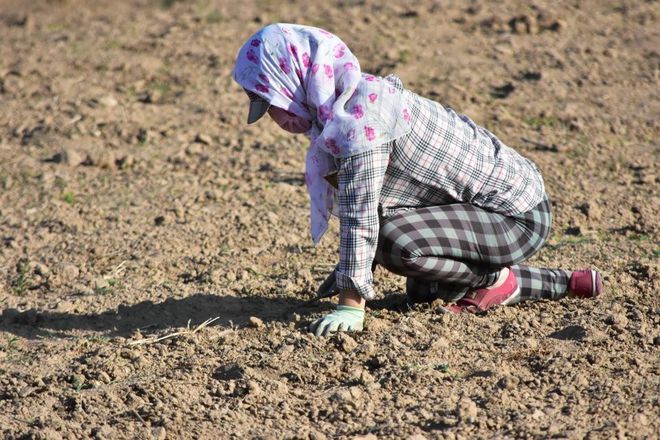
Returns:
point(312, 74)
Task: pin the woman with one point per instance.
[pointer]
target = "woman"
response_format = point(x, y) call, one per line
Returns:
point(419, 189)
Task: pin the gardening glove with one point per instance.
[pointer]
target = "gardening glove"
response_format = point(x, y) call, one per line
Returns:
point(344, 319)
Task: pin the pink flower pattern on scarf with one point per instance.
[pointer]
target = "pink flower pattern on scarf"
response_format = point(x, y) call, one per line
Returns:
point(252, 56)
point(284, 65)
point(370, 132)
point(293, 49)
point(349, 110)
point(331, 144)
point(339, 50)
point(325, 114)
point(287, 93)
point(328, 70)
point(357, 111)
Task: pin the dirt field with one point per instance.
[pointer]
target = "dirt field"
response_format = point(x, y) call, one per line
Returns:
point(135, 203)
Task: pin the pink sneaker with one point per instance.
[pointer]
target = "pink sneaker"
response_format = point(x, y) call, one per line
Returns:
point(585, 283)
point(484, 299)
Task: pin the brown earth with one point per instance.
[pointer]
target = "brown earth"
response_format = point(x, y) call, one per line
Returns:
point(135, 203)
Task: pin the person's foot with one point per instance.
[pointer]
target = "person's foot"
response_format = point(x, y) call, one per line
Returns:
point(503, 293)
point(585, 283)
point(419, 291)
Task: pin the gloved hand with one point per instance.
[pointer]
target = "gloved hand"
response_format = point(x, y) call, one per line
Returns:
point(344, 319)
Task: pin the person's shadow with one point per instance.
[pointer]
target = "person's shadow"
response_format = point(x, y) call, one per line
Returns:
point(149, 317)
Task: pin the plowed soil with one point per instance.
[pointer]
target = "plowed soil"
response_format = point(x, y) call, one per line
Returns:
point(136, 204)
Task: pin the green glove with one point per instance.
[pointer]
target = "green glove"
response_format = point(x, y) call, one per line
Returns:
point(344, 319)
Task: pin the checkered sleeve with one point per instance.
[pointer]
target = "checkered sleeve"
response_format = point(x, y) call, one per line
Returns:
point(360, 180)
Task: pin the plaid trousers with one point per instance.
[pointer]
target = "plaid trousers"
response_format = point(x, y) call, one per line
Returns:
point(462, 247)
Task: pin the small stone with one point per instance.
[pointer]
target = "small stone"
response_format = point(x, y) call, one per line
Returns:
point(366, 378)
point(272, 217)
point(144, 135)
point(305, 275)
point(77, 380)
point(538, 414)
point(108, 101)
point(8, 182)
point(216, 275)
point(316, 435)
point(103, 433)
point(106, 159)
point(467, 410)
point(71, 157)
point(68, 272)
point(592, 358)
point(26, 391)
point(346, 342)
point(286, 349)
point(617, 319)
point(531, 343)
point(641, 419)
point(126, 161)
point(101, 283)
point(254, 388)
point(440, 343)
point(656, 341)
point(159, 433)
point(50, 434)
point(524, 24)
point(591, 210)
point(255, 322)
point(356, 393)
point(179, 210)
point(508, 382)
point(194, 149)
point(211, 195)
point(104, 377)
point(343, 395)
point(203, 139)
point(64, 306)
point(41, 269)
point(365, 437)
point(229, 372)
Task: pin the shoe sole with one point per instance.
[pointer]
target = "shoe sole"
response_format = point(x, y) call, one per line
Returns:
point(513, 299)
point(596, 284)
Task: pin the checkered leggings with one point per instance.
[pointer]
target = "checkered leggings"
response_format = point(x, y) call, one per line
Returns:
point(463, 247)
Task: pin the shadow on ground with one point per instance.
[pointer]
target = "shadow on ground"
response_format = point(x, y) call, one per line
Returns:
point(148, 316)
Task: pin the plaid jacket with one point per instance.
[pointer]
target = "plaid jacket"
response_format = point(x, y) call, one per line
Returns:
point(446, 158)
